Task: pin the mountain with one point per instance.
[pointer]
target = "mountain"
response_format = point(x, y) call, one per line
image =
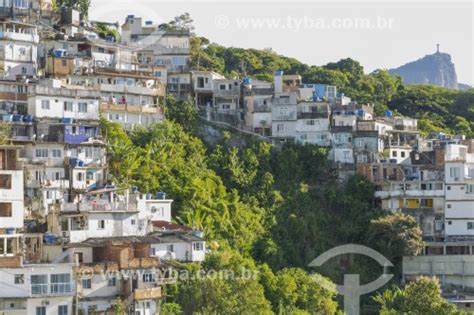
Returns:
point(463, 86)
point(436, 69)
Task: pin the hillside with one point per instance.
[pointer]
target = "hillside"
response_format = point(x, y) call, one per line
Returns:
point(436, 69)
point(437, 108)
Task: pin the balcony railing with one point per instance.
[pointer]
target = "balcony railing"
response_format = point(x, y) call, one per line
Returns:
point(99, 206)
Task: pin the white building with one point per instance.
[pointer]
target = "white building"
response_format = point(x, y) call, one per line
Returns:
point(284, 115)
point(18, 49)
point(459, 178)
point(179, 246)
point(37, 289)
point(11, 189)
point(313, 123)
point(52, 100)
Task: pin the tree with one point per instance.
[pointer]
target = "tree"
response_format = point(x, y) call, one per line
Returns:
point(182, 112)
point(5, 129)
point(423, 296)
point(395, 236)
point(81, 5)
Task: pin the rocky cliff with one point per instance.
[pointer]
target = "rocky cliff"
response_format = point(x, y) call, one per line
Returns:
point(436, 69)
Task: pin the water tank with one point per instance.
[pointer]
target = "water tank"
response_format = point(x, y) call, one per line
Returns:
point(388, 113)
point(148, 22)
point(50, 238)
point(161, 195)
point(247, 81)
point(279, 72)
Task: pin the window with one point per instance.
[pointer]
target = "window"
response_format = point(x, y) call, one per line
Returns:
point(60, 283)
point(133, 222)
point(148, 277)
point(5, 181)
point(394, 153)
point(200, 82)
point(56, 153)
point(455, 173)
point(310, 122)
point(39, 284)
point(19, 279)
point(198, 246)
point(470, 225)
point(170, 248)
point(41, 310)
point(21, 89)
point(280, 127)
point(62, 310)
point(101, 224)
point(80, 177)
point(222, 87)
point(112, 282)
point(448, 188)
point(41, 153)
point(82, 107)
point(470, 189)
point(86, 283)
point(5, 210)
point(284, 111)
point(402, 154)
point(45, 104)
point(24, 70)
point(448, 206)
point(362, 159)
point(68, 106)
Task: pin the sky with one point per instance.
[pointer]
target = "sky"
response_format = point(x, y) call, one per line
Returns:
point(379, 34)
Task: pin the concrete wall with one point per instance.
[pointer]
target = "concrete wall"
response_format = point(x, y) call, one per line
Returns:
point(57, 110)
point(14, 196)
point(450, 269)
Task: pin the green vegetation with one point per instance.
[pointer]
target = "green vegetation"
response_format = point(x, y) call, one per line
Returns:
point(422, 296)
point(81, 5)
point(103, 30)
point(270, 210)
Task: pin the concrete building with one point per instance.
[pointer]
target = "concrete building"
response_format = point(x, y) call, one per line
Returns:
point(313, 123)
point(18, 49)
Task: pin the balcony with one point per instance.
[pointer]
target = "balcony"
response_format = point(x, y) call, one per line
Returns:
point(99, 206)
point(75, 139)
point(149, 109)
point(9, 11)
point(11, 261)
point(124, 89)
point(234, 93)
point(312, 115)
point(393, 190)
point(147, 294)
point(67, 92)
